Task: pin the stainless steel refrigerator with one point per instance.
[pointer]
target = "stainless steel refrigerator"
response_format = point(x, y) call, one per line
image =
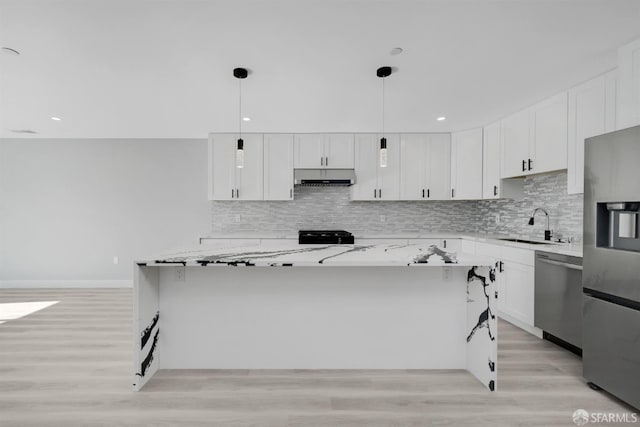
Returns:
point(611, 265)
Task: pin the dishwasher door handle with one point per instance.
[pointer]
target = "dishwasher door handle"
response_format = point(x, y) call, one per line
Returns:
point(563, 264)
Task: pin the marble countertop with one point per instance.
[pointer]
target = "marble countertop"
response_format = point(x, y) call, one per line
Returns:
point(560, 248)
point(295, 255)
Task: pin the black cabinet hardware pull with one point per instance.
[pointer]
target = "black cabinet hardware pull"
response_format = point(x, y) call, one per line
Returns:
point(444, 243)
point(530, 161)
point(428, 195)
point(232, 193)
point(524, 165)
point(326, 161)
point(501, 267)
point(237, 193)
point(423, 193)
point(496, 294)
point(321, 161)
point(291, 193)
point(452, 193)
point(380, 194)
point(495, 190)
point(374, 193)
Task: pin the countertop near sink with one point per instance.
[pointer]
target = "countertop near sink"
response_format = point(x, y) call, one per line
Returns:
point(560, 248)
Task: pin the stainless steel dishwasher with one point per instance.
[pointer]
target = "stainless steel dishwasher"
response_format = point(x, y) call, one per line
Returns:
point(558, 299)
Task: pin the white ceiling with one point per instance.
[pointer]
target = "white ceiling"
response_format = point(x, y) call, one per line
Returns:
point(163, 69)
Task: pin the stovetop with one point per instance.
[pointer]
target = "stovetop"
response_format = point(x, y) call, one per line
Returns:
point(325, 237)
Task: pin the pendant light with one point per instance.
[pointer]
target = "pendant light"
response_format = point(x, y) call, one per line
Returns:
point(240, 74)
point(383, 72)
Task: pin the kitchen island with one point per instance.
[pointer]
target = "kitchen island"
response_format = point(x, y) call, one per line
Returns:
point(290, 306)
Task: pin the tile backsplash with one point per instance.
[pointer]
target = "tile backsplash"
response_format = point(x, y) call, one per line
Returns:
point(547, 191)
point(330, 208)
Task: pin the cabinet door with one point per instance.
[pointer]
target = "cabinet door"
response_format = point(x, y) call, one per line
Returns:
point(438, 176)
point(591, 113)
point(308, 151)
point(628, 94)
point(549, 134)
point(278, 167)
point(338, 151)
point(466, 165)
point(514, 144)
point(367, 151)
point(413, 166)
point(491, 161)
point(389, 177)
point(518, 294)
point(249, 178)
point(222, 166)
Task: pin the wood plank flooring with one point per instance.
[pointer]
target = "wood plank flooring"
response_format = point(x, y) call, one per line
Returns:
point(70, 364)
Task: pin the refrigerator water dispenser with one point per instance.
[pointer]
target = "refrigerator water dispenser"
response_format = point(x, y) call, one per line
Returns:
point(617, 225)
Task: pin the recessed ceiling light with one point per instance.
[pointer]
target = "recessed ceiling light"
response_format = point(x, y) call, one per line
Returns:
point(396, 51)
point(441, 119)
point(246, 119)
point(10, 51)
point(57, 119)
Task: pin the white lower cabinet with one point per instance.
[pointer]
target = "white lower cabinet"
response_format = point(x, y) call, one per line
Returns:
point(518, 291)
point(515, 282)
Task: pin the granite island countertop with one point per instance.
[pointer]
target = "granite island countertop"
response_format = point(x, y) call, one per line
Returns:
point(296, 255)
point(496, 239)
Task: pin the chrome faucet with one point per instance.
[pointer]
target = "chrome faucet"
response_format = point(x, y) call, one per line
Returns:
point(547, 232)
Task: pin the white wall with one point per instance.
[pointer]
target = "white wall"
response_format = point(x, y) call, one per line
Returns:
point(67, 207)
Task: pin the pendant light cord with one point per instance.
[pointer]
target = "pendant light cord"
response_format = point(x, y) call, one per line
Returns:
point(240, 107)
point(383, 107)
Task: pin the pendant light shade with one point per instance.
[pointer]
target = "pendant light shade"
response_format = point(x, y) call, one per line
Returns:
point(383, 72)
point(240, 153)
point(383, 152)
point(240, 74)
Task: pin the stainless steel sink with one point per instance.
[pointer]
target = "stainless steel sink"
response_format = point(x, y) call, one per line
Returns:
point(530, 242)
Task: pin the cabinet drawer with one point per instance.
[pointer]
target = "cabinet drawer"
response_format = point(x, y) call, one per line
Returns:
point(487, 249)
point(521, 256)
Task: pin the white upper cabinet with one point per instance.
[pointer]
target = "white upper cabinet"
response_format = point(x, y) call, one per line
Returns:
point(439, 167)
point(339, 151)
point(308, 151)
point(591, 112)
point(535, 140)
point(424, 166)
point(321, 151)
point(628, 94)
point(413, 168)
point(278, 167)
point(226, 180)
point(491, 161)
point(372, 181)
point(466, 165)
point(548, 141)
point(514, 144)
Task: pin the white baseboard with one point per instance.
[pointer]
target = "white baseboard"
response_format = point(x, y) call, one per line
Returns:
point(66, 284)
point(520, 324)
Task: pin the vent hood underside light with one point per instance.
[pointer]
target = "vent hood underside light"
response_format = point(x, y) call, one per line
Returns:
point(324, 177)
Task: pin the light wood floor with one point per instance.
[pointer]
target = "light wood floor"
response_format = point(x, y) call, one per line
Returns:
point(70, 364)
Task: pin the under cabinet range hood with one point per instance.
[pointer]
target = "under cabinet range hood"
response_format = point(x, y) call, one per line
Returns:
point(324, 177)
